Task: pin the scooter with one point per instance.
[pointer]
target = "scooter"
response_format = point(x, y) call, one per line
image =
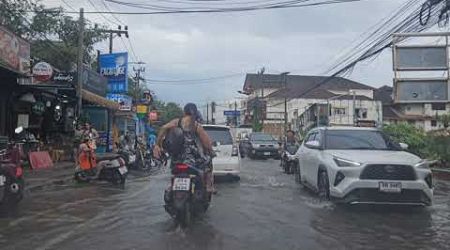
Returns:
point(289, 162)
point(187, 196)
point(128, 154)
point(112, 168)
point(11, 174)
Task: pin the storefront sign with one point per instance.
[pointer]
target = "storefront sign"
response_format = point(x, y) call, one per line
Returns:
point(64, 77)
point(124, 101)
point(94, 82)
point(14, 52)
point(115, 68)
point(42, 72)
point(141, 111)
point(38, 108)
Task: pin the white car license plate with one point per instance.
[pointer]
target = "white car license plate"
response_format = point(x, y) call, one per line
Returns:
point(132, 158)
point(266, 153)
point(390, 186)
point(181, 184)
point(2, 180)
point(123, 170)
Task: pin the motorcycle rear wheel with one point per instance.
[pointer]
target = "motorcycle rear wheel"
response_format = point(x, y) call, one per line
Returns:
point(184, 217)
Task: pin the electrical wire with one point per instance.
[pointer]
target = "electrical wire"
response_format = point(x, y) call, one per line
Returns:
point(214, 10)
point(192, 81)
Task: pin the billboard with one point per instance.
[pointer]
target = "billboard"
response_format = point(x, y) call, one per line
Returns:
point(124, 101)
point(115, 68)
point(14, 52)
point(420, 58)
point(421, 90)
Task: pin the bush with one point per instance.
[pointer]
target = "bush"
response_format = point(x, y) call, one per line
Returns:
point(439, 145)
point(409, 134)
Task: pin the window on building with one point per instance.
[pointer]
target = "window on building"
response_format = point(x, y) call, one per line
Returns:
point(339, 111)
point(433, 123)
point(361, 113)
point(438, 106)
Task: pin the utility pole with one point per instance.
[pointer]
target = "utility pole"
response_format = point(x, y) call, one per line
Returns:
point(111, 33)
point(213, 110)
point(354, 108)
point(284, 74)
point(80, 62)
point(207, 113)
point(138, 77)
point(235, 114)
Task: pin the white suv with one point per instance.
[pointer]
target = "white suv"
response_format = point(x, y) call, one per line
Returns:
point(362, 165)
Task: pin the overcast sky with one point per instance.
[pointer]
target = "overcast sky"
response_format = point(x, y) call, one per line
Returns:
point(196, 46)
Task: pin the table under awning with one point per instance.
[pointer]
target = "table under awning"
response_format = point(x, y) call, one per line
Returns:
point(99, 100)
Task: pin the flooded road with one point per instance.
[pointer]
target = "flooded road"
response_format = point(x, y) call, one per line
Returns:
point(265, 210)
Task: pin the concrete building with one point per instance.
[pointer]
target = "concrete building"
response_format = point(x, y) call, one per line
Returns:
point(349, 102)
point(422, 115)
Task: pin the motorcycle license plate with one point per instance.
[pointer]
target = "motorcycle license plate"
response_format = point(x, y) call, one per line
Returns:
point(181, 184)
point(266, 153)
point(132, 158)
point(123, 170)
point(2, 180)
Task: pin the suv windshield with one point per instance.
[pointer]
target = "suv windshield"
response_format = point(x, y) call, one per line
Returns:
point(261, 137)
point(358, 139)
point(221, 135)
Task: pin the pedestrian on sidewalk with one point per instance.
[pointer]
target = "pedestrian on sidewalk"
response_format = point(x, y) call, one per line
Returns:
point(77, 136)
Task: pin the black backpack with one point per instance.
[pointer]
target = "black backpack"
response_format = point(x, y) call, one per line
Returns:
point(174, 141)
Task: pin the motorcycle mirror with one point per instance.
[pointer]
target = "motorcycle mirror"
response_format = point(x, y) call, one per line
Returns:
point(18, 130)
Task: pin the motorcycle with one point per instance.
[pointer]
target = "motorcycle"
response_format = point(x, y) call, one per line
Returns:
point(289, 161)
point(187, 196)
point(128, 154)
point(11, 174)
point(112, 168)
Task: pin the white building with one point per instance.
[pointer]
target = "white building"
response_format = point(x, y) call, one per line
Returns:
point(349, 102)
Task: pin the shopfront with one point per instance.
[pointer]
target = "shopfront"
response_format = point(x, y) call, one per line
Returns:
point(14, 64)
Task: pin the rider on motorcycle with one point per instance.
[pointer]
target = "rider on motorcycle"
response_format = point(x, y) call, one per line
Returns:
point(197, 144)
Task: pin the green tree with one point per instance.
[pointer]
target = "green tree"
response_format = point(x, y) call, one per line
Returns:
point(53, 35)
point(168, 111)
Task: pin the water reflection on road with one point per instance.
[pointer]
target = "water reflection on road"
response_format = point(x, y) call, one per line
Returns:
point(265, 210)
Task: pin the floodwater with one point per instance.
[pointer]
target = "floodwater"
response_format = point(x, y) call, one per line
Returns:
point(265, 210)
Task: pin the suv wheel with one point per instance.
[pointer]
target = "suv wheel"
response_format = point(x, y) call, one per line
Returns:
point(323, 185)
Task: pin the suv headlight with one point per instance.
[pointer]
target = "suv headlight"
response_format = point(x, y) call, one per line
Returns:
point(346, 163)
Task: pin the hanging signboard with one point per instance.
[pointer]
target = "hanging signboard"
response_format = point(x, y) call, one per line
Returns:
point(407, 58)
point(14, 52)
point(141, 110)
point(42, 72)
point(115, 68)
point(124, 101)
point(421, 90)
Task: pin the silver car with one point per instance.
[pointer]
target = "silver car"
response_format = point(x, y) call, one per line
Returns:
point(362, 165)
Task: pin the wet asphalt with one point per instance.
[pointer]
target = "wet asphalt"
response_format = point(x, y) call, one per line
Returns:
point(266, 209)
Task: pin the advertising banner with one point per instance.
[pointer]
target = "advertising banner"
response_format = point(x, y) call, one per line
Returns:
point(115, 68)
point(124, 101)
point(14, 52)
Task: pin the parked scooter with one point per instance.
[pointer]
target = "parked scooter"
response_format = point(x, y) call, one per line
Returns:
point(112, 167)
point(11, 174)
point(127, 152)
point(187, 196)
point(289, 162)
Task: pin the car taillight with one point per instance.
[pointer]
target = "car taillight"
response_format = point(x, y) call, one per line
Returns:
point(234, 151)
point(181, 167)
point(19, 171)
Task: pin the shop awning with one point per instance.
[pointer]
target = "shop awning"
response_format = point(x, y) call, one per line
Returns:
point(98, 100)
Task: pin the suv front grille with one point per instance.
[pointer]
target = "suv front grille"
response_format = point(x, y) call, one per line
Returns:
point(388, 172)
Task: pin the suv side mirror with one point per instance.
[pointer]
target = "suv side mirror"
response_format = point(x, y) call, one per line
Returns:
point(313, 144)
point(216, 143)
point(403, 146)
